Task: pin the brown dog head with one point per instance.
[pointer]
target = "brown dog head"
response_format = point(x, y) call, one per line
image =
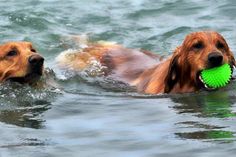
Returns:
point(199, 51)
point(20, 62)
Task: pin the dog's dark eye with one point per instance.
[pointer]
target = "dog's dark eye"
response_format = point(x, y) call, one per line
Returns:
point(33, 50)
point(11, 53)
point(220, 45)
point(198, 45)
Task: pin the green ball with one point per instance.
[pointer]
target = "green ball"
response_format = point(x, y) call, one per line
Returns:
point(217, 77)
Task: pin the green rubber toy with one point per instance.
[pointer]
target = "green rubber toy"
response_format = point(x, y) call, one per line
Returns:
point(216, 77)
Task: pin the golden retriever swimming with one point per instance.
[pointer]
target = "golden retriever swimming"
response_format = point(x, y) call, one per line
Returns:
point(146, 72)
point(20, 62)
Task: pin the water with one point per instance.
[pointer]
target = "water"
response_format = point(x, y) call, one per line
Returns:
point(87, 118)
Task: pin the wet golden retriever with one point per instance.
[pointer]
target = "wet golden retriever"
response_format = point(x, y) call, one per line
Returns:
point(144, 70)
point(20, 62)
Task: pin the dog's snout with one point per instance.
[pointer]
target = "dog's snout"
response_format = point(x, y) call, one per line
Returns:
point(36, 60)
point(215, 59)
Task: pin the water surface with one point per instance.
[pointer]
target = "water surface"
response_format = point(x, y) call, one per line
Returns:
point(84, 118)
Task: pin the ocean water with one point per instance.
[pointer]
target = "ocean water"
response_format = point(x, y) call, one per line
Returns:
point(84, 117)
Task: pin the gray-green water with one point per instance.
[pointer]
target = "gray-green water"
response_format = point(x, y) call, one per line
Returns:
point(84, 119)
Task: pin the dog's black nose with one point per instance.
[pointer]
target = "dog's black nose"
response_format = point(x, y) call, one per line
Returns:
point(215, 59)
point(36, 60)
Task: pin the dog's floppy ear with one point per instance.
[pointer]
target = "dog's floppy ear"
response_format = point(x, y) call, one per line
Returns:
point(173, 73)
point(232, 59)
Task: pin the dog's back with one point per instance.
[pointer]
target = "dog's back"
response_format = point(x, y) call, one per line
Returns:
point(121, 64)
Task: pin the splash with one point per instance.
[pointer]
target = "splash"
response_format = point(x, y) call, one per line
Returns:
point(67, 65)
point(15, 92)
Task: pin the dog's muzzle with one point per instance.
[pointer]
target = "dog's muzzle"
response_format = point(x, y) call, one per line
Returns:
point(36, 63)
point(215, 59)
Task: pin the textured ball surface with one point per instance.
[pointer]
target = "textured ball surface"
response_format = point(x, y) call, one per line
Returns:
point(217, 77)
